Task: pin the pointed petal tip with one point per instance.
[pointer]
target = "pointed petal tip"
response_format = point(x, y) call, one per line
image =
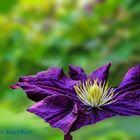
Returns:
point(74, 67)
point(133, 74)
point(70, 65)
point(76, 72)
point(29, 110)
point(101, 73)
point(15, 86)
point(109, 64)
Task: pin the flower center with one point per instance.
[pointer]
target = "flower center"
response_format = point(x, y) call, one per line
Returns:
point(94, 94)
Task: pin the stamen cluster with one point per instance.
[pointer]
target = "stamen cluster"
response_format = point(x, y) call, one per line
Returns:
point(94, 94)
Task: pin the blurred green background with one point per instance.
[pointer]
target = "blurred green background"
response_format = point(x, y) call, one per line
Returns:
point(38, 34)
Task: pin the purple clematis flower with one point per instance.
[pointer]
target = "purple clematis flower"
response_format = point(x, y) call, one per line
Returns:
point(70, 103)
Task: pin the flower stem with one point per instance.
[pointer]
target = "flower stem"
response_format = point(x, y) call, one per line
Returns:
point(68, 137)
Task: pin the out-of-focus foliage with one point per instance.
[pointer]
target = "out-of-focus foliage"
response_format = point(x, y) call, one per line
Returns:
point(37, 34)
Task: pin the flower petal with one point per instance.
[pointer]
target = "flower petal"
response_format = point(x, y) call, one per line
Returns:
point(127, 94)
point(101, 73)
point(92, 116)
point(132, 75)
point(76, 73)
point(124, 108)
point(83, 119)
point(58, 110)
point(101, 114)
point(46, 83)
point(130, 82)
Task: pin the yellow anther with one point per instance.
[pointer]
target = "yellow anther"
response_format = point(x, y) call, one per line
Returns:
point(96, 93)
